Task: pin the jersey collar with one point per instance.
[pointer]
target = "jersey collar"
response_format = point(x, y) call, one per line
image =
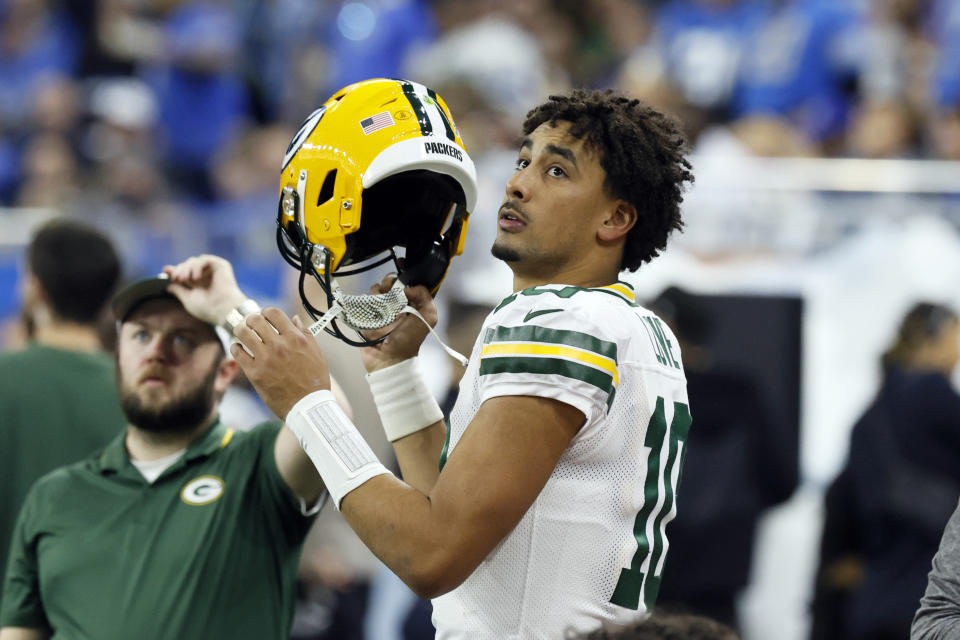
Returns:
point(620, 289)
point(115, 458)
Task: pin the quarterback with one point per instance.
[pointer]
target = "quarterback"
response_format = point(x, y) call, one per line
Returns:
point(541, 510)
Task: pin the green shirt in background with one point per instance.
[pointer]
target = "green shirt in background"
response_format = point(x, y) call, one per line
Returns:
point(208, 551)
point(56, 407)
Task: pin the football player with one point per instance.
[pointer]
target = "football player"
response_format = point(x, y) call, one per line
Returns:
point(541, 508)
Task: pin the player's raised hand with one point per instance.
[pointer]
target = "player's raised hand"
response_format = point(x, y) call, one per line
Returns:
point(406, 334)
point(282, 359)
point(205, 286)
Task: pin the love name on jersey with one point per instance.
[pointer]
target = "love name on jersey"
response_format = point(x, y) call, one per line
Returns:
point(445, 149)
point(662, 347)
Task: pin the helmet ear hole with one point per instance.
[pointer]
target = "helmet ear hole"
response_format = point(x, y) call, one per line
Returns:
point(326, 191)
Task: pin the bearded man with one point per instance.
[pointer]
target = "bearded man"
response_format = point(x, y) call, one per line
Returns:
point(179, 528)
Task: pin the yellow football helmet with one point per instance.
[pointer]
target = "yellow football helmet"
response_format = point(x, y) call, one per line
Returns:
point(379, 166)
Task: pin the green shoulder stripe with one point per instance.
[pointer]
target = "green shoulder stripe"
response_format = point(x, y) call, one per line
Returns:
point(506, 301)
point(534, 333)
point(554, 366)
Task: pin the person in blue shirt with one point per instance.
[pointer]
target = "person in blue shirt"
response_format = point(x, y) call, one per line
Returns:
point(372, 38)
point(701, 44)
point(944, 121)
point(802, 63)
point(201, 98)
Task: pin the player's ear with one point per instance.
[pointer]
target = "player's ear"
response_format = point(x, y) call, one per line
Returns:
point(620, 220)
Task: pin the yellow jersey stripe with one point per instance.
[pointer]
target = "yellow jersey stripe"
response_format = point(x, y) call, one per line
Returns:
point(519, 348)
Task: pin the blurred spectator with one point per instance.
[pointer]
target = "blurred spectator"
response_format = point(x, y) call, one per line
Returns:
point(56, 106)
point(883, 129)
point(588, 40)
point(701, 43)
point(501, 60)
point(802, 63)
point(125, 186)
point(764, 136)
point(35, 42)
point(693, 64)
point(886, 510)
point(49, 178)
point(122, 118)
point(245, 181)
point(58, 400)
point(899, 51)
point(734, 469)
point(283, 60)
point(296, 52)
point(642, 76)
point(944, 132)
point(116, 36)
point(944, 121)
point(372, 38)
point(945, 21)
point(201, 100)
point(36, 50)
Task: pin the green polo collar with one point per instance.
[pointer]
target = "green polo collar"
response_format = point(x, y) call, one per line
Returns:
point(115, 457)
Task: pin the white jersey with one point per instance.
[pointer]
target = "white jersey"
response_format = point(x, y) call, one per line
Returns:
point(591, 548)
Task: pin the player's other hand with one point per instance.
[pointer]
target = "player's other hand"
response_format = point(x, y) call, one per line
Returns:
point(406, 334)
point(286, 362)
point(206, 287)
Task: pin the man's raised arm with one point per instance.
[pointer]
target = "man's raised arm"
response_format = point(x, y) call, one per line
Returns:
point(207, 288)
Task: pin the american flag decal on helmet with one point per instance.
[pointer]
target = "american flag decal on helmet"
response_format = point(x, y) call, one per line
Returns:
point(376, 122)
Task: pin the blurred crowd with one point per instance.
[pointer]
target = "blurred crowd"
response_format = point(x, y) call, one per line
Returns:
point(164, 121)
point(156, 116)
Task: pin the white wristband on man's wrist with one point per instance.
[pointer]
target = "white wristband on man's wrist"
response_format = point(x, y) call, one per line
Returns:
point(239, 313)
point(331, 441)
point(403, 399)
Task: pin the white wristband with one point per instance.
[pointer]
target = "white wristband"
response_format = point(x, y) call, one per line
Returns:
point(338, 451)
point(403, 400)
point(239, 313)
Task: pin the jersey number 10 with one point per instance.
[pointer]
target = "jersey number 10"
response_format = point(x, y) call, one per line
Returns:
point(642, 576)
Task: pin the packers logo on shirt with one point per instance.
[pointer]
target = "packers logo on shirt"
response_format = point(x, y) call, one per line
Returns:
point(202, 490)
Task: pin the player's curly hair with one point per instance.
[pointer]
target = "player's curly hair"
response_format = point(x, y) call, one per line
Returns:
point(642, 152)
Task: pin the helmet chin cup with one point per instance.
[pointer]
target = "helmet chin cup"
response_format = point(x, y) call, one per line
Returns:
point(371, 311)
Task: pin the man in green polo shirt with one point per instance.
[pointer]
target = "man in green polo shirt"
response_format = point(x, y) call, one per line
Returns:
point(180, 528)
point(58, 401)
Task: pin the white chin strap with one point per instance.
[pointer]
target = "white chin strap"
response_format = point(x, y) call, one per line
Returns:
point(374, 311)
